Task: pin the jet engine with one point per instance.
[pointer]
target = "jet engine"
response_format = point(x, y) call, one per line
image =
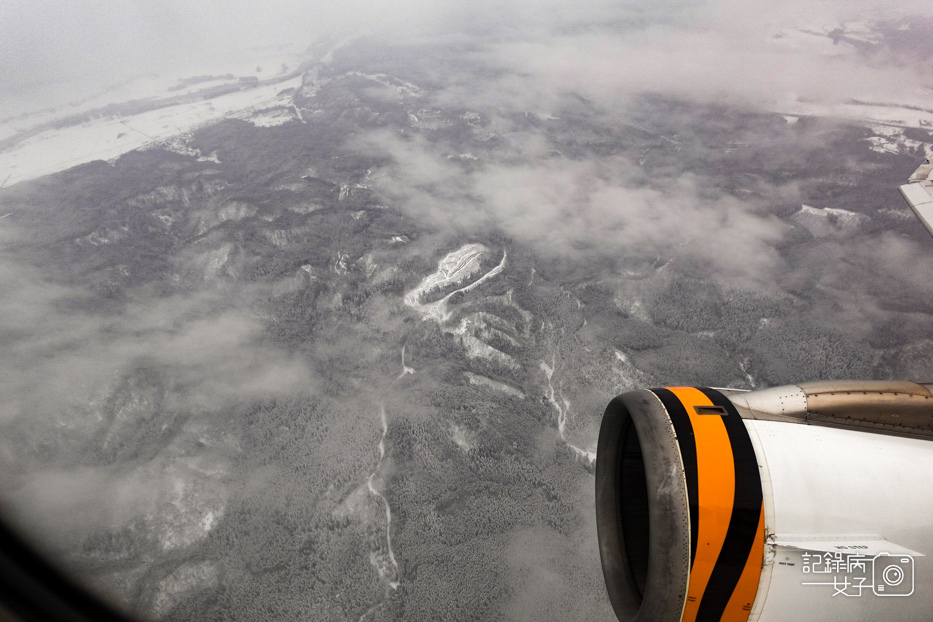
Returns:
point(805, 502)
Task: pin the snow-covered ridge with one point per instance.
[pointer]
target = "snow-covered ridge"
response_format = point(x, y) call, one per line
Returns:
point(870, 113)
point(891, 139)
point(402, 87)
point(473, 330)
point(483, 381)
point(828, 220)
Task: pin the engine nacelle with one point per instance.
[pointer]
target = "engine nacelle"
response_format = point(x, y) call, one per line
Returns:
point(806, 502)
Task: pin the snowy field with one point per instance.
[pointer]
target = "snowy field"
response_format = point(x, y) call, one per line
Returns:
point(884, 114)
point(107, 138)
point(23, 111)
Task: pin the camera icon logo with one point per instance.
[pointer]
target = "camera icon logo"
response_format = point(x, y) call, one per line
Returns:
point(893, 575)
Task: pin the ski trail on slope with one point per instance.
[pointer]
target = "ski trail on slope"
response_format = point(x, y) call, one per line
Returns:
point(456, 266)
point(563, 410)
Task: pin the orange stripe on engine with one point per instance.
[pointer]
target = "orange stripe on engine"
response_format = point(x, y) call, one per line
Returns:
point(743, 597)
point(715, 489)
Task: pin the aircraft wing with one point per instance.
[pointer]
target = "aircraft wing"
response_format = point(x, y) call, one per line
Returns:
point(919, 194)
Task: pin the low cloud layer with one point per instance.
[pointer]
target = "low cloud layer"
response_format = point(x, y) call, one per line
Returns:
point(214, 352)
point(591, 209)
point(115, 413)
point(707, 49)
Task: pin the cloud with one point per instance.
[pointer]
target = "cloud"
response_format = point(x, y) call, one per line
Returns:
point(113, 416)
point(170, 502)
point(733, 53)
point(588, 209)
point(742, 53)
point(714, 47)
point(66, 356)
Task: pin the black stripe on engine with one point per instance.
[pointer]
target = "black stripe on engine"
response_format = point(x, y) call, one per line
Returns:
point(746, 510)
point(688, 452)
